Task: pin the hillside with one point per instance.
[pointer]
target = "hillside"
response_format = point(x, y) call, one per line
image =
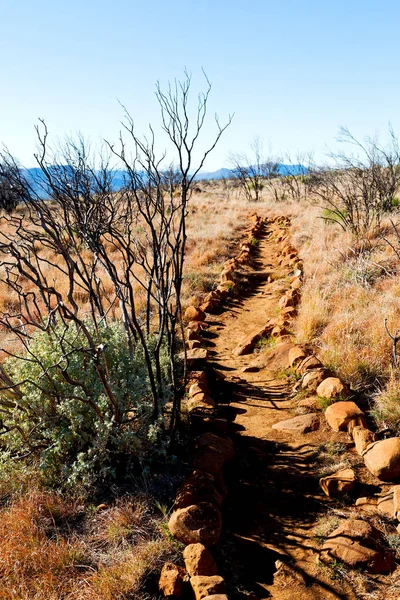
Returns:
point(290, 301)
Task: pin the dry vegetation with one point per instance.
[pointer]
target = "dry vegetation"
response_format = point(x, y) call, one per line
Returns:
point(52, 547)
point(55, 547)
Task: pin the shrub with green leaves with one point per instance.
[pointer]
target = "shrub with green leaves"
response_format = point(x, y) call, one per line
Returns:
point(64, 415)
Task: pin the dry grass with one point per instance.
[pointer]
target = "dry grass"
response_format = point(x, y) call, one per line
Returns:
point(52, 548)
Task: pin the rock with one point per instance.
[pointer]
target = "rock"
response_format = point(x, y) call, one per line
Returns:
point(171, 580)
point(198, 561)
point(218, 597)
point(247, 345)
point(308, 363)
point(286, 301)
point(198, 523)
point(203, 424)
point(311, 403)
point(192, 344)
point(296, 284)
point(197, 487)
point(211, 452)
point(359, 545)
point(386, 505)
point(341, 482)
point(206, 586)
point(296, 355)
point(193, 336)
point(194, 357)
point(194, 314)
point(300, 424)
point(362, 438)
point(312, 379)
point(339, 414)
point(198, 388)
point(201, 402)
point(228, 274)
point(396, 501)
point(197, 326)
point(198, 377)
point(333, 387)
point(382, 459)
point(367, 504)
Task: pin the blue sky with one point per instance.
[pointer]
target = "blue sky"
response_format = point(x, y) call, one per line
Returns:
point(292, 72)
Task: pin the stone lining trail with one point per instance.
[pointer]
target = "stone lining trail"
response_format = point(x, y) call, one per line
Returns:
point(274, 499)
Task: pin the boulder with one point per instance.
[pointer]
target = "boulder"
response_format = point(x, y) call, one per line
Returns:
point(313, 378)
point(359, 545)
point(382, 459)
point(332, 388)
point(194, 314)
point(211, 451)
point(171, 580)
point(204, 586)
point(299, 424)
point(362, 438)
point(341, 482)
point(198, 523)
point(197, 487)
point(339, 414)
point(198, 561)
point(308, 363)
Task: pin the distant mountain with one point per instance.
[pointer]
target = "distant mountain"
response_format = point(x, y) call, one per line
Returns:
point(282, 169)
point(39, 183)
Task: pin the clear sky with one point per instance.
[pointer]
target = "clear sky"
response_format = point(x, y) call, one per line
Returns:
point(292, 72)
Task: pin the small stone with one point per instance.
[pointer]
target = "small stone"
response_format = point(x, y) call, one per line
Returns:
point(333, 387)
point(300, 424)
point(204, 586)
point(339, 414)
point(386, 505)
point(211, 452)
point(396, 501)
point(197, 487)
point(194, 357)
point(362, 438)
point(341, 482)
point(296, 355)
point(313, 378)
point(198, 561)
point(199, 523)
point(194, 314)
point(308, 363)
point(171, 580)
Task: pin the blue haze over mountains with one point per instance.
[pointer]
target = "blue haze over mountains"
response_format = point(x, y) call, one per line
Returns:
point(38, 181)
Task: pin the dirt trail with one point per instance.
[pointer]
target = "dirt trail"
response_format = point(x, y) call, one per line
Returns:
point(274, 500)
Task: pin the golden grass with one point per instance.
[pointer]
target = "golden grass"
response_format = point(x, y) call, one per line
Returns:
point(52, 548)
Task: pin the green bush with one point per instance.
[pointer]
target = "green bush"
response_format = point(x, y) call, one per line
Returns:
point(76, 432)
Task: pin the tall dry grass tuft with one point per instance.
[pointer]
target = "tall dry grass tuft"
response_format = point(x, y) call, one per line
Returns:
point(52, 548)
